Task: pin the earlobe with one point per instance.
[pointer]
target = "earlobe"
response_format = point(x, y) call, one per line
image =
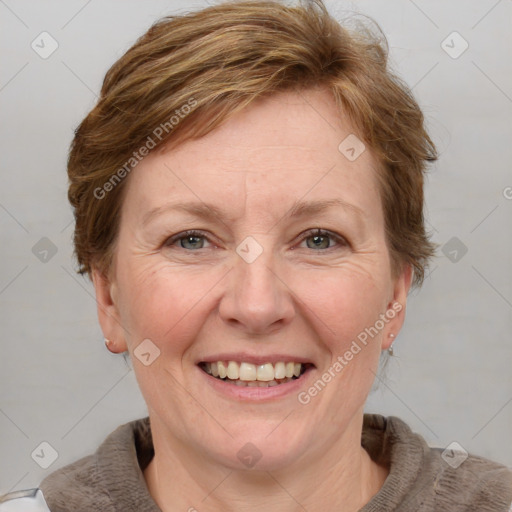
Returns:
point(108, 312)
point(396, 307)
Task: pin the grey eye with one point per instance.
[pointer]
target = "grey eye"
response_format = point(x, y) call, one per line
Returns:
point(192, 242)
point(322, 239)
point(318, 242)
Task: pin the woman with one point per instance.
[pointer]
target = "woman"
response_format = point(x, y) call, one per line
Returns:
point(248, 196)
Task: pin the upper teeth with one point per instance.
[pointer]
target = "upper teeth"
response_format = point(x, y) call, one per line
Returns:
point(247, 371)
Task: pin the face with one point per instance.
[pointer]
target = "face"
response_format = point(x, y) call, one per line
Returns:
point(258, 243)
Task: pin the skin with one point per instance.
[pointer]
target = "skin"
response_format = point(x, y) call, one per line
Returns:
point(195, 299)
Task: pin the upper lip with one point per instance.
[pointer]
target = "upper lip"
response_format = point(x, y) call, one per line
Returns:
point(254, 358)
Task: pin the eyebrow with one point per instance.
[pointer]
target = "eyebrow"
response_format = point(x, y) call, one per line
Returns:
point(207, 211)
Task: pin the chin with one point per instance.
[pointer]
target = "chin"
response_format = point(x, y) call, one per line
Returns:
point(260, 446)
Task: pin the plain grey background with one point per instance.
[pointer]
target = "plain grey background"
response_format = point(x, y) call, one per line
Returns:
point(450, 378)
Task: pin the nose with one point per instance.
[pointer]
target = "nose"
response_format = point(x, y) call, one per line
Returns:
point(257, 300)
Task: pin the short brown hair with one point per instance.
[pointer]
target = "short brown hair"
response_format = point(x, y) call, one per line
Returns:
point(221, 59)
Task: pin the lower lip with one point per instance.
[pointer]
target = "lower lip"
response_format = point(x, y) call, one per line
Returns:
point(255, 394)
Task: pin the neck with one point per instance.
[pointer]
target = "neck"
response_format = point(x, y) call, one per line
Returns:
point(343, 479)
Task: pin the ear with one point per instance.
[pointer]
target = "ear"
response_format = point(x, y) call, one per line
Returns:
point(108, 311)
point(396, 307)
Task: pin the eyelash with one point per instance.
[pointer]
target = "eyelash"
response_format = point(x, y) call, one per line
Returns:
point(310, 233)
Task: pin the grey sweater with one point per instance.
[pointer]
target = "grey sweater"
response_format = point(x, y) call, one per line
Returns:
point(421, 479)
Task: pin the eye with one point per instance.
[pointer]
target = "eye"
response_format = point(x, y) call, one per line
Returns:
point(191, 240)
point(321, 239)
point(317, 239)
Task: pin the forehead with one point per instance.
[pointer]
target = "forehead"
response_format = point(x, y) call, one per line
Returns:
point(290, 146)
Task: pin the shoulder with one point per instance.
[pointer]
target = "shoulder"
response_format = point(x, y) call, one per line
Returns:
point(97, 482)
point(77, 486)
point(429, 478)
point(471, 480)
point(71, 487)
point(30, 500)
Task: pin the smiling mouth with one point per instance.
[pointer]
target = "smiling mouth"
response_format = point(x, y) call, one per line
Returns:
point(255, 375)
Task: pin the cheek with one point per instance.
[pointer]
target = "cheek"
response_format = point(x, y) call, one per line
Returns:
point(346, 306)
point(162, 303)
point(342, 302)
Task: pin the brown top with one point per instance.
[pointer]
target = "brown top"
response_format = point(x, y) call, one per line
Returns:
point(421, 478)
